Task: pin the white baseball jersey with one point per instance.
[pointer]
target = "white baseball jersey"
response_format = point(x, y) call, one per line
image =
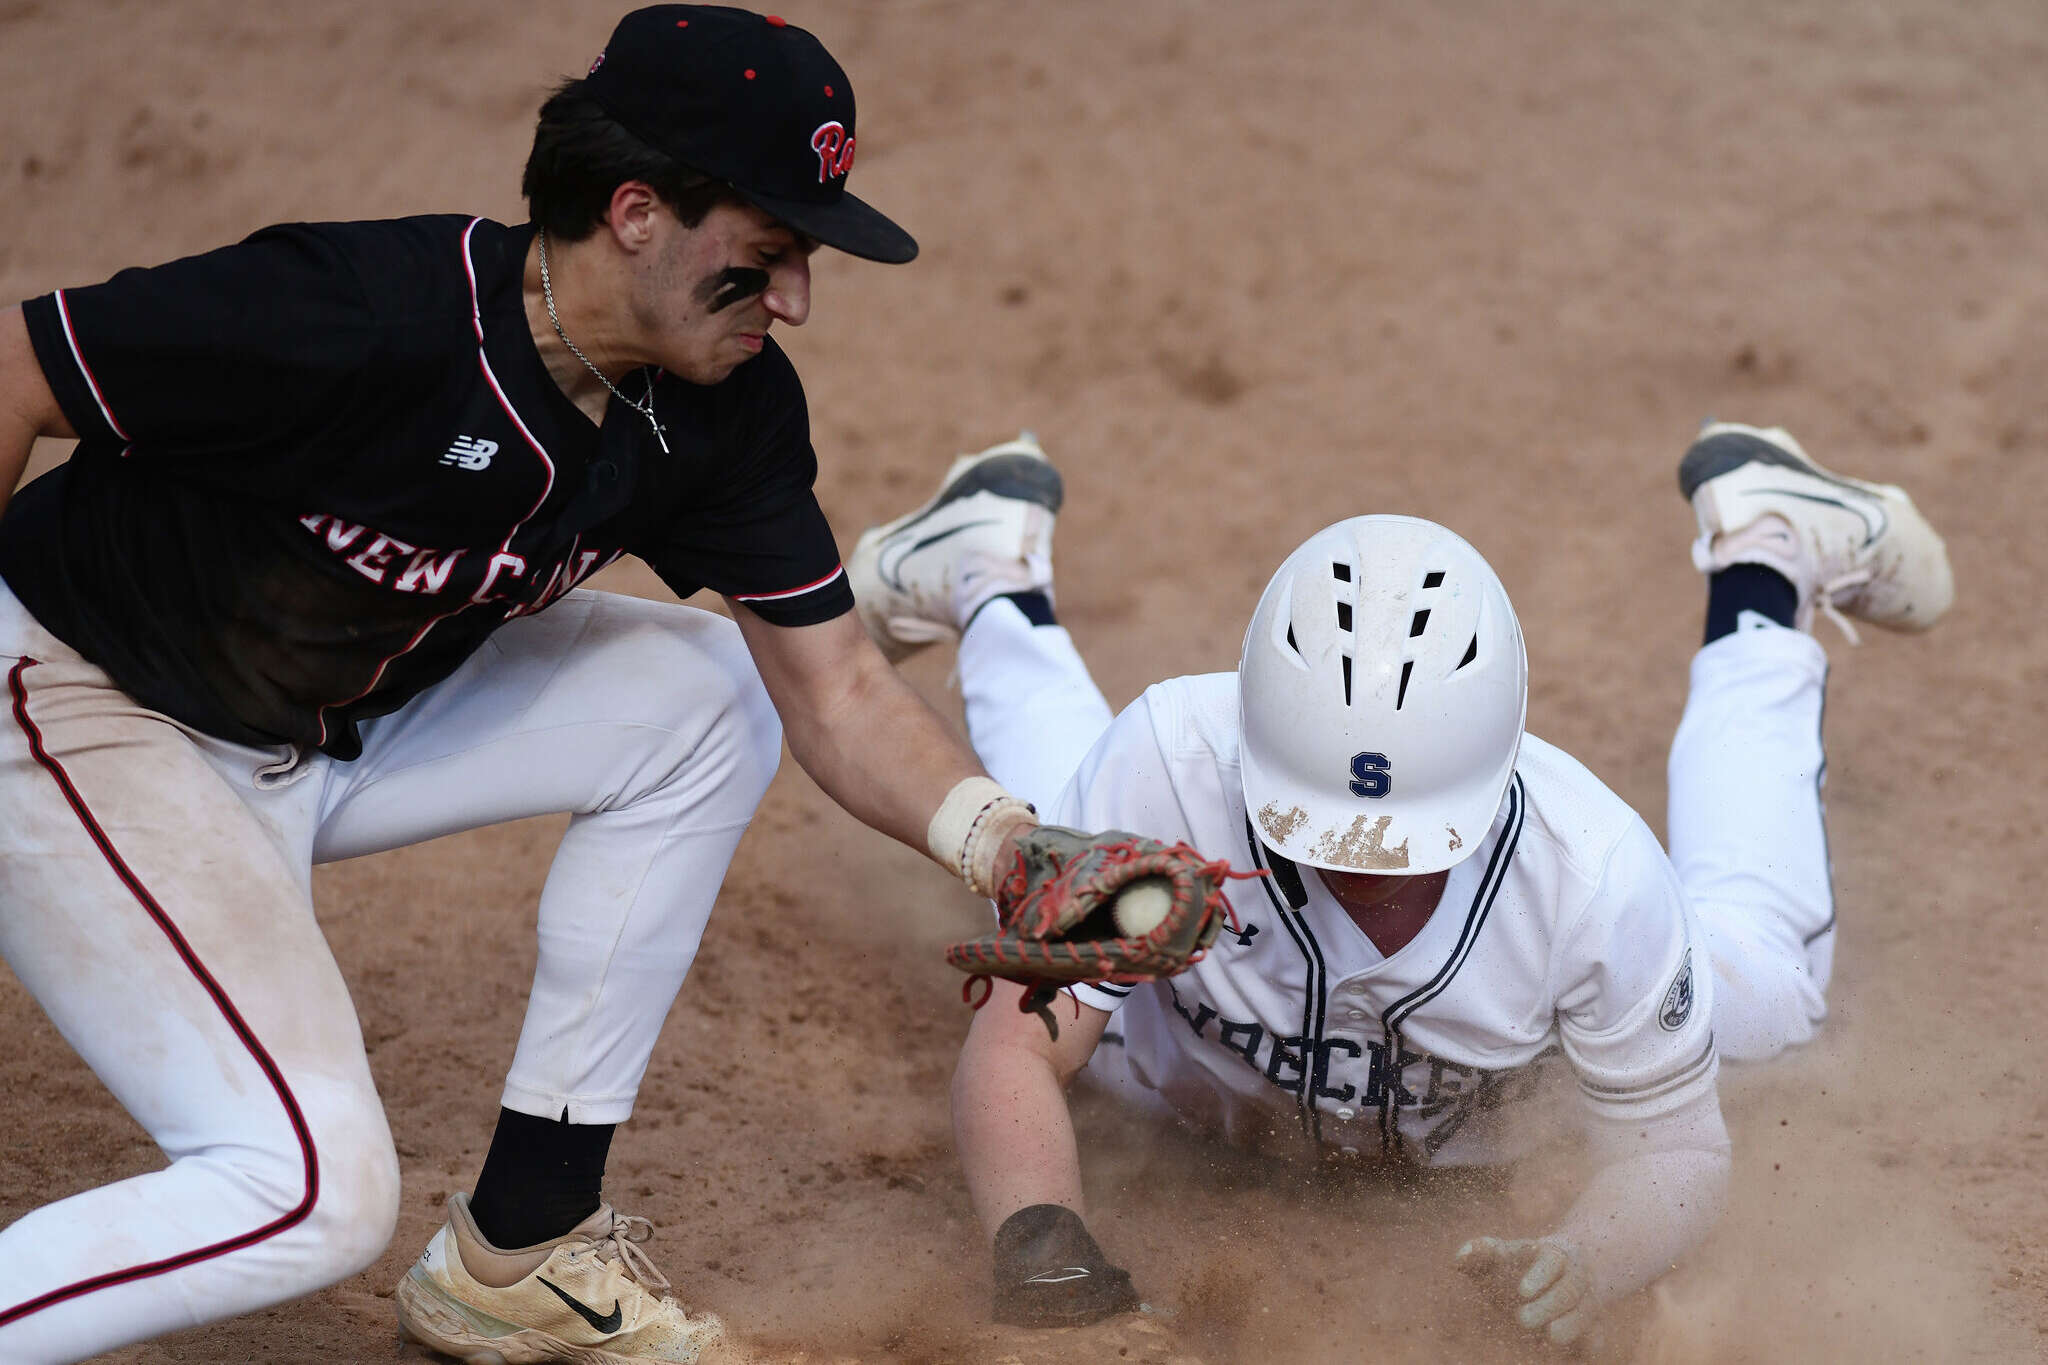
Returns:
point(1563, 949)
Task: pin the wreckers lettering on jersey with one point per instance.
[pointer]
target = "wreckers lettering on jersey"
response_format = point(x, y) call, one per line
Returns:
point(390, 562)
point(1442, 1095)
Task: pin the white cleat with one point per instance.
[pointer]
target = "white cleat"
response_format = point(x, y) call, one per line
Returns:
point(988, 531)
point(1848, 547)
point(592, 1298)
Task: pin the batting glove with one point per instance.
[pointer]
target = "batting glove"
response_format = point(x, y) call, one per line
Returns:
point(1050, 1272)
point(1547, 1276)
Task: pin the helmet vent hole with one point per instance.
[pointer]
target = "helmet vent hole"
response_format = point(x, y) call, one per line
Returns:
point(1291, 644)
point(1407, 667)
point(1420, 622)
point(1347, 679)
point(1344, 616)
point(1471, 653)
point(1433, 579)
point(1341, 572)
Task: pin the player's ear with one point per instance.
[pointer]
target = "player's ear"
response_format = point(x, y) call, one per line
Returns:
point(630, 215)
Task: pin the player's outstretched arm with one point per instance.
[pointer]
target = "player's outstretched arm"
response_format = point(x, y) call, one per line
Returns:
point(877, 749)
point(1016, 1143)
point(1658, 1189)
point(27, 407)
point(856, 726)
point(1010, 1117)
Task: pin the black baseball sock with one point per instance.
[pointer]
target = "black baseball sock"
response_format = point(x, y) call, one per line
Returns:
point(1035, 605)
point(540, 1178)
point(1748, 587)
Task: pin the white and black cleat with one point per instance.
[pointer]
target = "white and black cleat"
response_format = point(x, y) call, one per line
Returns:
point(1849, 548)
point(987, 531)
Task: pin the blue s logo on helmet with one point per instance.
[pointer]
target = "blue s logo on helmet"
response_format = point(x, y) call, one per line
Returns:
point(1370, 776)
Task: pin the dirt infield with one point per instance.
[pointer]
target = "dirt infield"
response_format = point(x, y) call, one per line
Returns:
point(1244, 269)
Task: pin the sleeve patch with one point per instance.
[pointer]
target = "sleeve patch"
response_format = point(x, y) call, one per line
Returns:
point(1677, 1007)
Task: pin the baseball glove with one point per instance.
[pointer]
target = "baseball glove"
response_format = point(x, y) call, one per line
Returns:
point(1057, 918)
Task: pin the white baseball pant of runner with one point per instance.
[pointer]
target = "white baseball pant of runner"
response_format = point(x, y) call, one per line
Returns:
point(1747, 830)
point(155, 900)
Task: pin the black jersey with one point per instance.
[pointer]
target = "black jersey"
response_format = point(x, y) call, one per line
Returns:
point(317, 468)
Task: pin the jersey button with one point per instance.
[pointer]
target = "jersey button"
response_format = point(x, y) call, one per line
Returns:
point(1347, 1113)
point(1354, 1014)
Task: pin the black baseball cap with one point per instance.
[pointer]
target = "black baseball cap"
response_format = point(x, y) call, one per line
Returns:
point(750, 100)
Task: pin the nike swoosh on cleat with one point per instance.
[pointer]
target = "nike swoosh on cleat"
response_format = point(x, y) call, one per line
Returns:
point(603, 1322)
point(1060, 1276)
point(887, 567)
point(1873, 529)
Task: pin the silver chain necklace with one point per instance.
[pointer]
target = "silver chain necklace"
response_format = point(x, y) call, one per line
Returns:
point(644, 407)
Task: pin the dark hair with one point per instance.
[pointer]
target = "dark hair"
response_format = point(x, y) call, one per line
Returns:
point(581, 155)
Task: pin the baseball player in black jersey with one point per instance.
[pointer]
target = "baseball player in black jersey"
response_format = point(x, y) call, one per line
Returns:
point(307, 589)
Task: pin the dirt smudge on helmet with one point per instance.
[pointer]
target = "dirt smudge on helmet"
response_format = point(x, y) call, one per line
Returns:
point(1280, 825)
point(1362, 847)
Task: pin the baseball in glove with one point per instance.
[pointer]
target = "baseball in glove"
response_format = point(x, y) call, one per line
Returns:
point(1062, 916)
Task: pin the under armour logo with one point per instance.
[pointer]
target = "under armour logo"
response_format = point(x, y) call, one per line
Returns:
point(470, 452)
point(1246, 935)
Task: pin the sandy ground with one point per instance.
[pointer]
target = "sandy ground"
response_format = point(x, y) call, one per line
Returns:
point(1245, 268)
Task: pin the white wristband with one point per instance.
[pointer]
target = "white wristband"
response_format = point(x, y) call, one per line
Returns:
point(969, 828)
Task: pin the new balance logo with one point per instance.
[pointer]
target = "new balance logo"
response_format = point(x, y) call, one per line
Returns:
point(603, 1322)
point(470, 452)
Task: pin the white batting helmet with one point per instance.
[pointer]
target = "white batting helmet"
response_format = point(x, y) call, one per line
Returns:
point(1382, 693)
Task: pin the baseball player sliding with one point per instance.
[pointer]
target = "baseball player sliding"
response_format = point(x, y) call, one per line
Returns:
point(306, 590)
point(1462, 925)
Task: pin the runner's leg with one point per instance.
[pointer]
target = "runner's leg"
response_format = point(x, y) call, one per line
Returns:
point(1748, 833)
point(1032, 709)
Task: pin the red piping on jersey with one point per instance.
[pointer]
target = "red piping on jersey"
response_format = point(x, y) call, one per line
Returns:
point(793, 592)
point(71, 340)
point(221, 1002)
point(476, 317)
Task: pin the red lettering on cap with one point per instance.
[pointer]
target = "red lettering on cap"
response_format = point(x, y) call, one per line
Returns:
point(828, 92)
point(775, 19)
point(749, 73)
point(682, 23)
point(834, 149)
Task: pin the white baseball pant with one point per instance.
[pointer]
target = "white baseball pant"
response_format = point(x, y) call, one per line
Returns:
point(154, 898)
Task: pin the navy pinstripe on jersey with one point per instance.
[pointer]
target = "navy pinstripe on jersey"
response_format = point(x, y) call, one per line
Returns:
point(1315, 999)
point(1393, 1016)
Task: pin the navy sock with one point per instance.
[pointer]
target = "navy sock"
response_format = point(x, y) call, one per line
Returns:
point(540, 1178)
point(1035, 605)
point(1748, 587)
